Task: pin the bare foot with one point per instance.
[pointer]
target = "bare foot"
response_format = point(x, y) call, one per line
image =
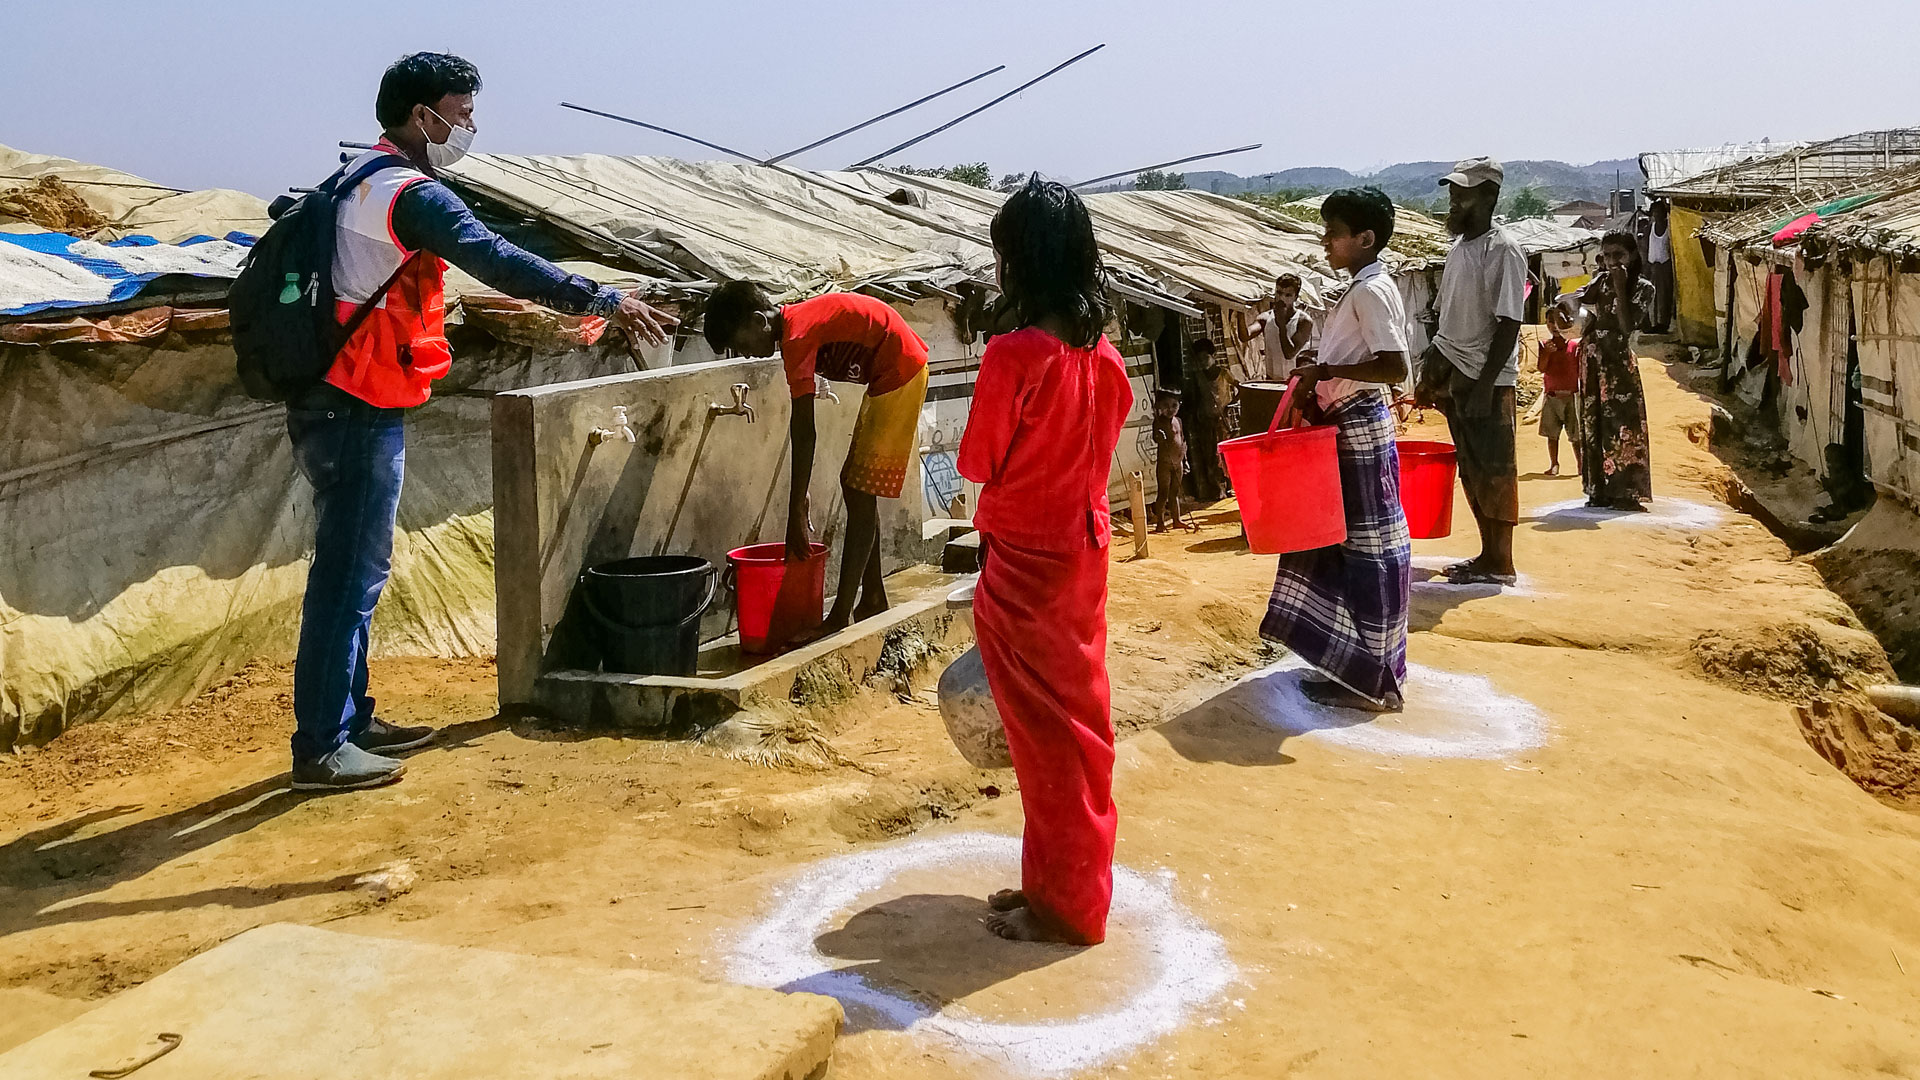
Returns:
point(1007, 900)
point(1024, 924)
point(1553, 470)
point(1159, 526)
point(828, 627)
point(1334, 696)
point(868, 611)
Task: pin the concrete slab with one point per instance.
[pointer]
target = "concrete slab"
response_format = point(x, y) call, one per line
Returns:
point(290, 1002)
point(722, 687)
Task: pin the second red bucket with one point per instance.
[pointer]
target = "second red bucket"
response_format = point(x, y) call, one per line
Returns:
point(776, 600)
point(1288, 483)
point(1426, 487)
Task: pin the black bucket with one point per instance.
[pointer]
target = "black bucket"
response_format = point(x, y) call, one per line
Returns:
point(648, 609)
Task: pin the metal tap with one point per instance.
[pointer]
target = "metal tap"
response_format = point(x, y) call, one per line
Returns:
point(739, 406)
point(620, 429)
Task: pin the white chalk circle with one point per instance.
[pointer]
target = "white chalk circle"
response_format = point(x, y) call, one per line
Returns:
point(1662, 512)
point(1429, 574)
point(1447, 715)
point(1188, 962)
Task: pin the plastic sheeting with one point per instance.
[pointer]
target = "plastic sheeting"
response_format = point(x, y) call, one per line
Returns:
point(44, 270)
point(1695, 304)
point(135, 205)
point(1887, 307)
point(156, 534)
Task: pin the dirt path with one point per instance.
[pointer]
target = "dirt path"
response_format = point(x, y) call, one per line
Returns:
point(1638, 868)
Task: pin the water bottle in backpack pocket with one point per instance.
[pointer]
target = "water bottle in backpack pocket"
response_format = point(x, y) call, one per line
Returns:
point(285, 332)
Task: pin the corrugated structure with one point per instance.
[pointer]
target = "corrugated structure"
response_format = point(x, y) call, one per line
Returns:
point(1835, 388)
point(1810, 170)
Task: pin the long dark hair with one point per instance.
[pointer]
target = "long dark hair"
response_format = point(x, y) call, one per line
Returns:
point(1636, 269)
point(1049, 262)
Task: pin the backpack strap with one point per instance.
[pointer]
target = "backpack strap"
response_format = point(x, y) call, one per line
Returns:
point(360, 314)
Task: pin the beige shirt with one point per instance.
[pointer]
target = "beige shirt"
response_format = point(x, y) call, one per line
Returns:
point(1485, 280)
point(1370, 319)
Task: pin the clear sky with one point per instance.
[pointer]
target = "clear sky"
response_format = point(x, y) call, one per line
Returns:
point(253, 94)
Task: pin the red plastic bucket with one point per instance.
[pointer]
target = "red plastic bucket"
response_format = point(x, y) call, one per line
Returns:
point(1288, 483)
point(775, 600)
point(1426, 487)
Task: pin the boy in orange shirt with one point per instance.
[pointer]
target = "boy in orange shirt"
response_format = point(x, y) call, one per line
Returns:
point(844, 337)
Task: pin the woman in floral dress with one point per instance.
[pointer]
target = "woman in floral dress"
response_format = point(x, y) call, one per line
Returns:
point(1613, 405)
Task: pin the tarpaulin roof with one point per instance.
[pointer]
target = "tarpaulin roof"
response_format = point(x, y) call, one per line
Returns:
point(1835, 160)
point(134, 205)
point(1536, 235)
point(809, 232)
point(43, 270)
point(1664, 168)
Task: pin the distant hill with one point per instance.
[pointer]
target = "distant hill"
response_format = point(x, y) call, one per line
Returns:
point(1417, 182)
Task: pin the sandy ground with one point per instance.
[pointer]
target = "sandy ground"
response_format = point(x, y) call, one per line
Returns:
point(1597, 842)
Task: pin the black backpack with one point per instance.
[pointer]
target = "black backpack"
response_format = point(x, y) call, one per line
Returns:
point(285, 333)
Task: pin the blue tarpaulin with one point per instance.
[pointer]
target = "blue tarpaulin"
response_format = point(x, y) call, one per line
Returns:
point(46, 270)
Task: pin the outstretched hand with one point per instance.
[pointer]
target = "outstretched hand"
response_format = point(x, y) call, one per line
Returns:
point(643, 323)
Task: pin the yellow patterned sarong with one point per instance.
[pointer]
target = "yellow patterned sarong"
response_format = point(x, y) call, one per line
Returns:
point(884, 439)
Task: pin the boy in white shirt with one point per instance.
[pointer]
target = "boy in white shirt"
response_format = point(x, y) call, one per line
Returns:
point(1343, 609)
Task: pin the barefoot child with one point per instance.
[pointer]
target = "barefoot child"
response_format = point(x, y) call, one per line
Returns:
point(1047, 412)
point(845, 337)
point(1560, 379)
point(1170, 453)
point(1343, 609)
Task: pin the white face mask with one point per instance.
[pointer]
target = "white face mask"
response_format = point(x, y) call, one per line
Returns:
point(459, 141)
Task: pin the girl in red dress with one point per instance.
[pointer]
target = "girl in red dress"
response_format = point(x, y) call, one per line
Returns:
point(1047, 411)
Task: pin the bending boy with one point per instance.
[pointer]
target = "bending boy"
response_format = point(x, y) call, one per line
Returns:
point(843, 337)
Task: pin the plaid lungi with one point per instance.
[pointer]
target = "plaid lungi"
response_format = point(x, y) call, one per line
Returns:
point(1343, 609)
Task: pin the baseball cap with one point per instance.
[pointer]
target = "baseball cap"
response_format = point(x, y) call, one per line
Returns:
point(1475, 171)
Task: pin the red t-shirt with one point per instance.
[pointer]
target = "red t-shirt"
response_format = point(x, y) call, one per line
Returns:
point(1560, 366)
point(848, 338)
point(1040, 436)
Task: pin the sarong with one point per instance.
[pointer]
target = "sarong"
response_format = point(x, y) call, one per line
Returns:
point(1041, 621)
point(884, 438)
point(1484, 449)
point(1343, 608)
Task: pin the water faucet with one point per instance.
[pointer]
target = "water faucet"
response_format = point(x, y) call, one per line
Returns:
point(620, 429)
point(739, 406)
point(824, 389)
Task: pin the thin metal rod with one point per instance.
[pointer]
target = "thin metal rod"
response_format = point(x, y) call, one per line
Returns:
point(662, 130)
point(1165, 164)
point(883, 116)
point(918, 139)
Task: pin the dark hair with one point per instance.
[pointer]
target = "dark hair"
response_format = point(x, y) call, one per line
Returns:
point(1203, 346)
point(1625, 239)
point(422, 78)
point(1360, 209)
point(1049, 262)
point(1287, 279)
point(728, 309)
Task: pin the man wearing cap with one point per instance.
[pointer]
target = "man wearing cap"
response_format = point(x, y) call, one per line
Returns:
point(1470, 369)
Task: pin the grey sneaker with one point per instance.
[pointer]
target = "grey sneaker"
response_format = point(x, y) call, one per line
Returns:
point(384, 738)
point(346, 769)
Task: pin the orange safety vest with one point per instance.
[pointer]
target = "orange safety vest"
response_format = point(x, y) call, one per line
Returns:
point(393, 358)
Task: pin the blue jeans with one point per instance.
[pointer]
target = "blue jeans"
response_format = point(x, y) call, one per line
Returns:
point(354, 455)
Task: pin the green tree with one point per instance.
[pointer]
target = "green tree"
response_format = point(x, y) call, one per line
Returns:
point(1155, 180)
point(1528, 203)
point(977, 173)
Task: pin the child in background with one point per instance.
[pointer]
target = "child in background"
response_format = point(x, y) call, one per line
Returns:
point(1170, 446)
point(1047, 412)
point(1285, 331)
point(1203, 419)
point(845, 337)
point(1343, 608)
point(1560, 376)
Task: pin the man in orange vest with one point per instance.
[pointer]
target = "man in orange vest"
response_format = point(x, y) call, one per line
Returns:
point(395, 232)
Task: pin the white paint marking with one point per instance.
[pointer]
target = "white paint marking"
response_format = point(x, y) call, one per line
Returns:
point(1663, 512)
point(1436, 565)
point(1448, 715)
point(1189, 961)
